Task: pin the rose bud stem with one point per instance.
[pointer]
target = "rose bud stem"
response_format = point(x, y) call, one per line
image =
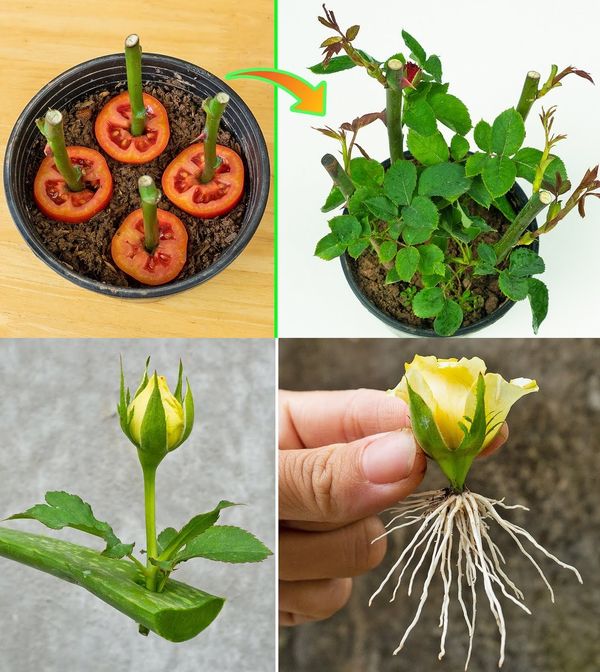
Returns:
point(529, 93)
point(214, 108)
point(395, 69)
point(530, 211)
point(133, 65)
point(51, 126)
point(339, 176)
point(150, 196)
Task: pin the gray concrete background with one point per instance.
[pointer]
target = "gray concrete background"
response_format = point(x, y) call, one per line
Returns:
point(550, 463)
point(60, 431)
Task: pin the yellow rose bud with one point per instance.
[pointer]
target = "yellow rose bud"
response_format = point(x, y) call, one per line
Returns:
point(448, 387)
point(174, 415)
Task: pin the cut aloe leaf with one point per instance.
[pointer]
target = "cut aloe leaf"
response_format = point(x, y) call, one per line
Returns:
point(177, 614)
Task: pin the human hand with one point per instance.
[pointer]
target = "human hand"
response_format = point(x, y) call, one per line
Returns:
point(344, 457)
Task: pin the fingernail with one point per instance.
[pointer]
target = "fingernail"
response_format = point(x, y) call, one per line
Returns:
point(389, 458)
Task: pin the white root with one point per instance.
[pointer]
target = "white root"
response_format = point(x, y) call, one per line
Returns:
point(455, 528)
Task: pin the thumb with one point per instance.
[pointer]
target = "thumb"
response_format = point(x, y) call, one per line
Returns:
point(345, 482)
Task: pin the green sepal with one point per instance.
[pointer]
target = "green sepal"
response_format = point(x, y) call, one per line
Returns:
point(424, 427)
point(188, 414)
point(144, 380)
point(153, 432)
point(178, 394)
point(123, 406)
point(475, 436)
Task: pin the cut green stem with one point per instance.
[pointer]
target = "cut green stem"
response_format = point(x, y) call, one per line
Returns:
point(530, 211)
point(393, 109)
point(178, 613)
point(51, 126)
point(150, 509)
point(133, 65)
point(339, 176)
point(150, 196)
point(529, 94)
point(214, 108)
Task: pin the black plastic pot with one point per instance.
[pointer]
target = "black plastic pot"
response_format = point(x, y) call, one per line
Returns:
point(517, 199)
point(108, 72)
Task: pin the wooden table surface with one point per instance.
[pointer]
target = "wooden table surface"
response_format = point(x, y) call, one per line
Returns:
point(41, 39)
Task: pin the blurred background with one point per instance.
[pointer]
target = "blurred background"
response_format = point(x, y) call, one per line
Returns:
point(61, 432)
point(550, 464)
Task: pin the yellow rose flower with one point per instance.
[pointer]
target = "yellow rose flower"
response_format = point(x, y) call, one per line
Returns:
point(448, 390)
point(172, 408)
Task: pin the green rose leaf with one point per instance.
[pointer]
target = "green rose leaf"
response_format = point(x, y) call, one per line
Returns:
point(528, 159)
point(358, 247)
point(505, 207)
point(479, 193)
point(483, 136)
point(65, 510)
point(387, 251)
point(165, 538)
point(419, 116)
point(449, 319)
point(451, 112)
point(445, 179)
point(338, 64)
point(475, 163)
point(225, 543)
point(391, 277)
point(421, 218)
point(525, 262)
point(487, 254)
point(433, 66)
point(428, 302)
point(499, 174)
point(538, 300)
point(356, 202)
point(334, 200)
point(508, 132)
point(382, 208)
point(400, 182)
point(329, 247)
point(431, 260)
point(347, 228)
point(407, 261)
point(514, 288)
point(428, 149)
point(198, 525)
point(366, 172)
point(416, 49)
point(459, 147)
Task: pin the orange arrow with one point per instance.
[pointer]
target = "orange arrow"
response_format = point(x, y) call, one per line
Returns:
point(309, 99)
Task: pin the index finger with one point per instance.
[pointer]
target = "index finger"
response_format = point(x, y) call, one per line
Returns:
point(313, 419)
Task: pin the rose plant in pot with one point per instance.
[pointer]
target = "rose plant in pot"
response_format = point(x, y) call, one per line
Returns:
point(83, 192)
point(440, 239)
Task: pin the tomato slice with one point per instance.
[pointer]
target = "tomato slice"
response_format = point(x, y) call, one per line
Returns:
point(181, 182)
point(113, 135)
point(167, 260)
point(58, 202)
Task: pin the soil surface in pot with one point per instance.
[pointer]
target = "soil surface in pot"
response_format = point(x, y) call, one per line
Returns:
point(370, 275)
point(85, 248)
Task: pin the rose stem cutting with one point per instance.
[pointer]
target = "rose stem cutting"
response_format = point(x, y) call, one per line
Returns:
point(529, 94)
point(538, 201)
point(133, 65)
point(340, 177)
point(51, 126)
point(150, 196)
point(214, 108)
point(393, 111)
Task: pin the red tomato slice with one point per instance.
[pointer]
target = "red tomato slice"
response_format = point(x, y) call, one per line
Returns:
point(113, 135)
point(58, 202)
point(181, 182)
point(167, 260)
